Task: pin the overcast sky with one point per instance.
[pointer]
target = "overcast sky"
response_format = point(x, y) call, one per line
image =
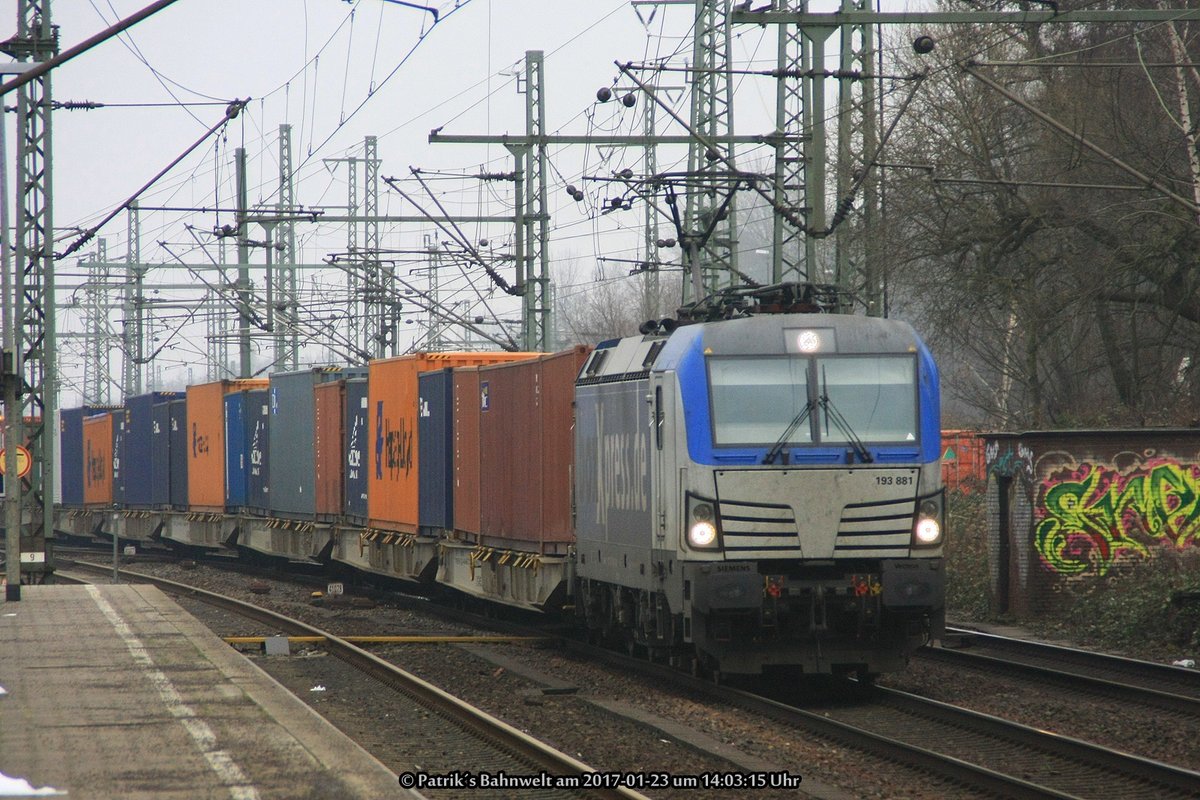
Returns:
point(337, 72)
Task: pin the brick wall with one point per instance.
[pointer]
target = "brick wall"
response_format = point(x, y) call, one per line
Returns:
point(1066, 508)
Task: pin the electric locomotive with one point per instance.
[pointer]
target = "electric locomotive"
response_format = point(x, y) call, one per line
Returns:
point(763, 491)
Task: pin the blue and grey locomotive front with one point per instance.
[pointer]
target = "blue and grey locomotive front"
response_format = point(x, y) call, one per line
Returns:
point(762, 491)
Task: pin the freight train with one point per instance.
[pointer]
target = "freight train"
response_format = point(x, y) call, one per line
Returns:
point(745, 492)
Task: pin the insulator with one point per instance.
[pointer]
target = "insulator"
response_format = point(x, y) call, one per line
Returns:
point(571, 189)
point(604, 95)
point(629, 100)
point(626, 173)
point(578, 195)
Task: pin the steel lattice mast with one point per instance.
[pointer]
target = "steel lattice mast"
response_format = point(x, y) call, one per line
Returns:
point(792, 253)
point(287, 341)
point(33, 295)
point(712, 118)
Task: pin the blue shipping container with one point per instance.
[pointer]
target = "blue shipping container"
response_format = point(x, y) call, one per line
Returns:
point(356, 448)
point(71, 460)
point(178, 435)
point(258, 481)
point(71, 453)
point(118, 455)
point(146, 480)
point(237, 446)
point(435, 450)
point(160, 456)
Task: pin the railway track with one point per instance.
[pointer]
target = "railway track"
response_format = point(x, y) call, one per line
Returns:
point(1151, 682)
point(499, 747)
point(986, 753)
point(1059, 765)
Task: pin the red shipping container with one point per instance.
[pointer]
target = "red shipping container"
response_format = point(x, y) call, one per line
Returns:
point(964, 461)
point(328, 447)
point(97, 460)
point(526, 449)
point(206, 441)
point(392, 482)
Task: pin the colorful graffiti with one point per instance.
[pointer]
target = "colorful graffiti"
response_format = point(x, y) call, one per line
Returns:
point(1091, 515)
point(1008, 461)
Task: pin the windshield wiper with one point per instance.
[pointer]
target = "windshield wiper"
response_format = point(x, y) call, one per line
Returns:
point(777, 448)
point(831, 413)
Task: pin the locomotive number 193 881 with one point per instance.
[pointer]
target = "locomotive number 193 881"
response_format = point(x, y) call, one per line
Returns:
point(895, 480)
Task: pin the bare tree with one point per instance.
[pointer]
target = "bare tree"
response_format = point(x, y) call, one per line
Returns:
point(1051, 303)
point(614, 305)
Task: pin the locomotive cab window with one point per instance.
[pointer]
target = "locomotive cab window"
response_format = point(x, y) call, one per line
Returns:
point(876, 395)
point(755, 399)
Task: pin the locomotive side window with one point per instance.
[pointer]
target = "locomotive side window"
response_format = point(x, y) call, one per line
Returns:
point(876, 395)
point(755, 399)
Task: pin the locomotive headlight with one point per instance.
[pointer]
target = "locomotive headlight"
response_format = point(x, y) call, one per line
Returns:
point(702, 534)
point(702, 531)
point(927, 529)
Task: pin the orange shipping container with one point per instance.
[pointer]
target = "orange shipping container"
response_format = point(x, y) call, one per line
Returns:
point(97, 460)
point(392, 488)
point(206, 441)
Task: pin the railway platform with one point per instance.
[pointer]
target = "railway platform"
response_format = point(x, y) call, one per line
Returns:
point(117, 692)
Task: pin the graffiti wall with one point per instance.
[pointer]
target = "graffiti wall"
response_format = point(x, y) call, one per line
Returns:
point(1071, 506)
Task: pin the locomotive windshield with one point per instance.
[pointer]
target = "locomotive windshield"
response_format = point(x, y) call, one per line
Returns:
point(756, 399)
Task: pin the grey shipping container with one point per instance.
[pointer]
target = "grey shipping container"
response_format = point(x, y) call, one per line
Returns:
point(356, 449)
point(435, 445)
point(180, 440)
point(293, 486)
